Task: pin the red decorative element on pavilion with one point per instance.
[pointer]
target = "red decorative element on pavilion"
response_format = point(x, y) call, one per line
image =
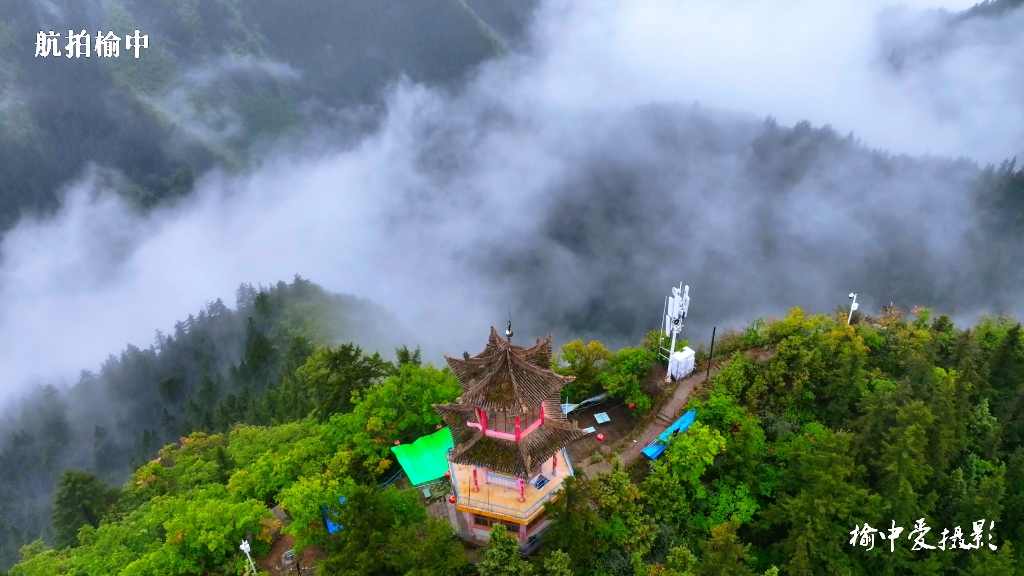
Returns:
point(508, 429)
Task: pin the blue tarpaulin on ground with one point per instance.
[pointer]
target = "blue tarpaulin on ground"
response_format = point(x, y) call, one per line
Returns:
point(331, 526)
point(658, 446)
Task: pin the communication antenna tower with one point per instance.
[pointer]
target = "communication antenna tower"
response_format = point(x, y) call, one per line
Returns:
point(676, 307)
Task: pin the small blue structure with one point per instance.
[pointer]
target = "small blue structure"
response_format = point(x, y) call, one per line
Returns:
point(658, 446)
point(331, 526)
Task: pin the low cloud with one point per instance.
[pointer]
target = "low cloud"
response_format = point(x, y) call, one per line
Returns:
point(570, 185)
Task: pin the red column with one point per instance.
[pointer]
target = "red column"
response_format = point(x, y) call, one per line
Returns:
point(482, 417)
point(554, 464)
point(522, 489)
point(476, 486)
point(517, 427)
point(542, 412)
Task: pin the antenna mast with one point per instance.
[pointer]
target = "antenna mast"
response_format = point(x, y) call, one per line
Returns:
point(676, 307)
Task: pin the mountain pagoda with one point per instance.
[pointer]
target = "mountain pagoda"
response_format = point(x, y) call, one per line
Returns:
point(509, 436)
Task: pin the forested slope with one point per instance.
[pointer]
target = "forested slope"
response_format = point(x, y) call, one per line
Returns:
point(217, 368)
point(889, 422)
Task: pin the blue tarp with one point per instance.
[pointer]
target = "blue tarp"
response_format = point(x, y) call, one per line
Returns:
point(658, 446)
point(331, 526)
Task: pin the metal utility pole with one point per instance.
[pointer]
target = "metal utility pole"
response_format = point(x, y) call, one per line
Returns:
point(711, 354)
point(853, 306)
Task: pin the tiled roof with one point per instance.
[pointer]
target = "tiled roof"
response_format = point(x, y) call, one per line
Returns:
point(522, 460)
point(514, 379)
point(507, 377)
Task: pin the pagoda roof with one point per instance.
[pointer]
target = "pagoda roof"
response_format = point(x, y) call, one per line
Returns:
point(507, 377)
point(522, 459)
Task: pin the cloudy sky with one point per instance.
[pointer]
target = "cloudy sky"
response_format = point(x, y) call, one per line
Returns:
point(463, 206)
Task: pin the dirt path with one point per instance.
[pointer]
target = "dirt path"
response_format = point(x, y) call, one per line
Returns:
point(668, 414)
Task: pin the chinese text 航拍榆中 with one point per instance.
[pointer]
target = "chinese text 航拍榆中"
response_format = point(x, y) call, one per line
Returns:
point(82, 44)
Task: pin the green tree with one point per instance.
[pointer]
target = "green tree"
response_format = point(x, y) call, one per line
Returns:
point(405, 356)
point(400, 408)
point(558, 563)
point(724, 554)
point(574, 520)
point(585, 362)
point(625, 374)
point(675, 484)
point(681, 562)
point(82, 500)
point(331, 375)
point(427, 548)
point(985, 562)
point(502, 556)
point(369, 516)
point(819, 503)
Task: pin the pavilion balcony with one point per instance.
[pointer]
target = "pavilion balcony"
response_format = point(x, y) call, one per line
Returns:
point(498, 494)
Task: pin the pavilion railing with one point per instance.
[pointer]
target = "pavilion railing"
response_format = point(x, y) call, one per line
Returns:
point(547, 492)
point(502, 480)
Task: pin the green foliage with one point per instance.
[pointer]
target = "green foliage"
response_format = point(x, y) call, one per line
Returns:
point(81, 500)
point(781, 464)
point(625, 375)
point(724, 554)
point(656, 340)
point(387, 532)
point(819, 496)
point(585, 362)
point(502, 555)
point(558, 563)
point(401, 407)
point(332, 375)
point(598, 517)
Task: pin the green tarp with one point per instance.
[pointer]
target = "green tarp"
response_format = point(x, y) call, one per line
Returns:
point(425, 459)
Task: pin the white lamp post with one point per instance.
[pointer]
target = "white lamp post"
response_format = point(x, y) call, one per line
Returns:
point(245, 548)
point(853, 306)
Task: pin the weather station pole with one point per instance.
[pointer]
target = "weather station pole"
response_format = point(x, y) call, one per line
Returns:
point(711, 354)
point(853, 306)
point(251, 569)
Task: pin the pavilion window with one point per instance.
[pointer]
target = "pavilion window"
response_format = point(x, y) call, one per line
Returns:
point(530, 417)
point(501, 421)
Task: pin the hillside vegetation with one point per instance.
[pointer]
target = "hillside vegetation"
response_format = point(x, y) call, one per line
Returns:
point(890, 422)
point(216, 369)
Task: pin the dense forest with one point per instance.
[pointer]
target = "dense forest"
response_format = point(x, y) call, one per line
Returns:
point(812, 430)
point(217, 368)
point(815, 441)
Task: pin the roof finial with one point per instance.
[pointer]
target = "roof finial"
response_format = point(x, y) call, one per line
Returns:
point(508, 331)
